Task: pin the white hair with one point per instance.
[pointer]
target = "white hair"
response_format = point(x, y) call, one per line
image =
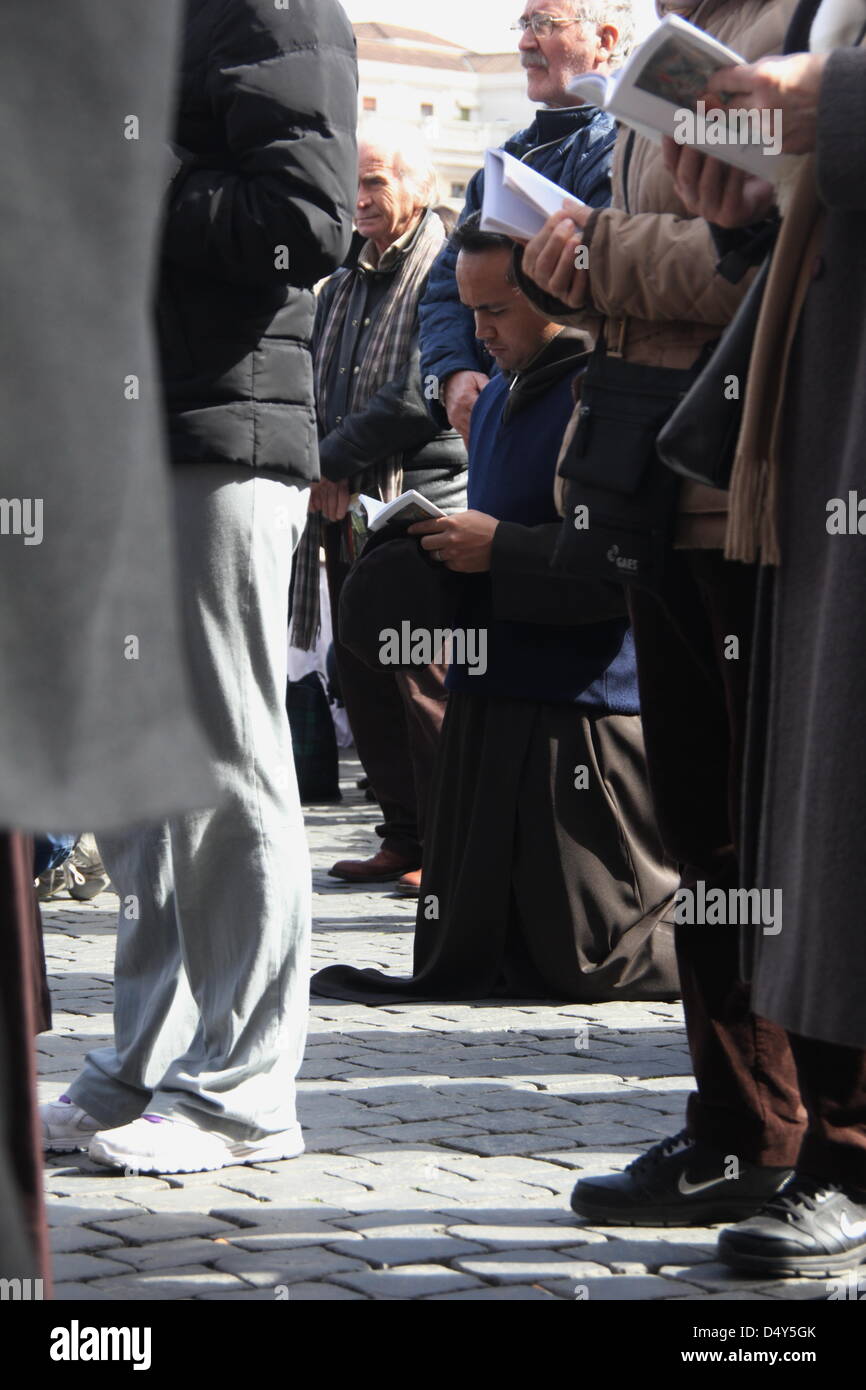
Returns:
point(410, 155)
point(618, 13)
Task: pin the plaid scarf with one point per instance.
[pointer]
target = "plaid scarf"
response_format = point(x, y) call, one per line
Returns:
point(384, 360)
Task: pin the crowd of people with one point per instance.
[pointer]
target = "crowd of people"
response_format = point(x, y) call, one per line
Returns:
point(615, 742)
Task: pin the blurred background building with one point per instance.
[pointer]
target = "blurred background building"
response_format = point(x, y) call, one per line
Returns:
point(463, 102)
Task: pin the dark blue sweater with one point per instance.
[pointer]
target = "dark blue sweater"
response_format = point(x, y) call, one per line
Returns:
point(512, 466)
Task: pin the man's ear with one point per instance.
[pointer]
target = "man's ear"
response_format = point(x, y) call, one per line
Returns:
point(608, 38)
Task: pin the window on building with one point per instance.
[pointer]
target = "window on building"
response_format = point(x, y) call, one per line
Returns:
point(370, 103)
point(465, 113)
point(427, 108)
point(458, 190)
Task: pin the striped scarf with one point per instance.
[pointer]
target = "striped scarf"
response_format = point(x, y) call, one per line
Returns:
point(384, 360)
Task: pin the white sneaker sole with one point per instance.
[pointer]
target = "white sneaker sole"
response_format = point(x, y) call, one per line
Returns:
point(65, 1146)
point(270, 1150)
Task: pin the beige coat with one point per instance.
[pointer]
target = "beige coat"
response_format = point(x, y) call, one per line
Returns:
point(652, 267)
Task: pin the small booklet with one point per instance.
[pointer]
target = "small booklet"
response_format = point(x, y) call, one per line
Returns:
point(517, 200)
point(409, 507)
point(658, 91)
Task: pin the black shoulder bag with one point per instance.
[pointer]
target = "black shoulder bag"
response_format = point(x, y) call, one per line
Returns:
point(700, 438)
point(620, 502)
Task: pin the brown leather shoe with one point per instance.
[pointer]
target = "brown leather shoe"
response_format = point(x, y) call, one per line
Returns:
point(410, 884)
point(382, 868)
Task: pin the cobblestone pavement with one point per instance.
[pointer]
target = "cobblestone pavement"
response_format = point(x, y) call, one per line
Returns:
point(442, 1140)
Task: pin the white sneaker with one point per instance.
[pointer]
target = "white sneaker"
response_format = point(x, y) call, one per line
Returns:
point(155, 1144)
point(65, 1127)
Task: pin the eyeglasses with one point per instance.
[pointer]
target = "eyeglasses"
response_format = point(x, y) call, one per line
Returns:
point(542, 25)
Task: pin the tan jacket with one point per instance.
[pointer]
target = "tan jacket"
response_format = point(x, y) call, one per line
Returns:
point(652, 267)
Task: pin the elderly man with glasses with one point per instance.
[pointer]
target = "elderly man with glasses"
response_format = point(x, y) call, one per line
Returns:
point(569, 143)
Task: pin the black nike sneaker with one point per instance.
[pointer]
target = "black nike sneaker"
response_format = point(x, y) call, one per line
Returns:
point(811, 1228)
point(677, 1183)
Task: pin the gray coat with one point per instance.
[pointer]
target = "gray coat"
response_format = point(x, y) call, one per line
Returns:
point(811, 977)
point(96, 728)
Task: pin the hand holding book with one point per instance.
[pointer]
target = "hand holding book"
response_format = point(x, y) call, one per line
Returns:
point(789, 87)
point(551, 258)
point(717, 192)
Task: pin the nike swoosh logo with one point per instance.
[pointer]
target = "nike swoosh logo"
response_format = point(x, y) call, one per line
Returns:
point(688, 1188)
point(852, 1230)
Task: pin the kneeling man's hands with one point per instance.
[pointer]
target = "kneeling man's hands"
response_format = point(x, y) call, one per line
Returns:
point(463, 542)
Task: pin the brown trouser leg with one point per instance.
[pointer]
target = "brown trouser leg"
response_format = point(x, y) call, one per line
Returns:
point(693, 704)
point(396, 718)
point(833, 1084)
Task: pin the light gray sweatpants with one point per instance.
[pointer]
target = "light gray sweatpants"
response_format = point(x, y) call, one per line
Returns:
point(211, 975)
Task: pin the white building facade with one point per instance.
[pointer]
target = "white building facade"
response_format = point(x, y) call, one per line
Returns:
point(462, 102)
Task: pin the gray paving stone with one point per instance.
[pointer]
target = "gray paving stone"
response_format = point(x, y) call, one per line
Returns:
point(80, 1266)
point(653, 1254)
point(717, 1278)
point(410, 1281)
point(287, 1231)
point(204, 1198)
point(69, 1291)
point(265, 1269)
point(619, 1287)
point(171, 1254)
point(70, 1211)
point(71, 1239)
point(512, 1293)
point(322, 1292)
point(534, 1237)
point(799, 1290)
point(188, 1282)
point(406, 1247)
point(742, 1297)
point(530, 1266)
point(247, 1294)
point(153, 1227)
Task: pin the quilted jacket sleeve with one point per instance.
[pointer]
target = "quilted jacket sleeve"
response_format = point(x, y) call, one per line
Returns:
point(283, 85)
point(448, 342)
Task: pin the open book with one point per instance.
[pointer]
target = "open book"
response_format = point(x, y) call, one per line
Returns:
point(407, 508)
point(659, 90)
point(517, 200)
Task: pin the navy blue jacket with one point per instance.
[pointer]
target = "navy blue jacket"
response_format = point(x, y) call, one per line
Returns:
point(550, 638)
point(573, 146)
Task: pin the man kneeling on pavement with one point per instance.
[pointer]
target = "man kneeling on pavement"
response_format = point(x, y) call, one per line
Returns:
point(544, 876)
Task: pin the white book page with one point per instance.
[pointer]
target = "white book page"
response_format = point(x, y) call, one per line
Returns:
point(502, 210)
point(517, 199)
point(667, 75)
point(410, 506)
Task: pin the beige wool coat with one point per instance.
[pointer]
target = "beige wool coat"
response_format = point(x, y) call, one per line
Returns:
point(653, 284)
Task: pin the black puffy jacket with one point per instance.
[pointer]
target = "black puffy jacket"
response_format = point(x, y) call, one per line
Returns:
point(259, 210)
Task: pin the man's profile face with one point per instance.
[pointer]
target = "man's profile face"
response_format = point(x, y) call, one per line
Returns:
point(552, 62)
point(387, 203)
point(505, 321)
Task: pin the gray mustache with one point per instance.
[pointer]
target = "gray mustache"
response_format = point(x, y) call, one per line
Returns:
point(531, 61)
